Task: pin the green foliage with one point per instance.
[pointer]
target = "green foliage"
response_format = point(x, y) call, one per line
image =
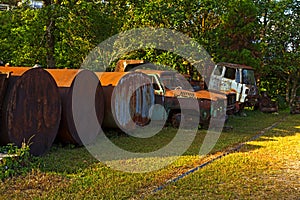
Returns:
point(262, 34)
point(77, 28)
point(17, 161)
point(280, 46)
point(19, 38)
point(236, 36)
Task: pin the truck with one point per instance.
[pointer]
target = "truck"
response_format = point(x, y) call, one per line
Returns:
point(172, 90)
point(230, 77)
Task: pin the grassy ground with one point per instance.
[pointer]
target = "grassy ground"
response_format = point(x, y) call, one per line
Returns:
point(266, 168)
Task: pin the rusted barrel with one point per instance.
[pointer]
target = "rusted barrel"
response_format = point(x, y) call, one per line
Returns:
point(31, 109)
point(128, 99)
point(89, 99)
point(3, 85)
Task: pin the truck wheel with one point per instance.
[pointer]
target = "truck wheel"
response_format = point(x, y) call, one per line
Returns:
point(176, 119)
point(205, 126)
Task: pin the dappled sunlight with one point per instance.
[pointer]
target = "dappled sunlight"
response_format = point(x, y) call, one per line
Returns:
point(298, 127)
point(281, 130)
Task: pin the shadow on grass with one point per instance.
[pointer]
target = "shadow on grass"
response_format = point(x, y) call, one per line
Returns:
point(249, 147)
point(71, 159)
point(66, 160)
point(288, 127)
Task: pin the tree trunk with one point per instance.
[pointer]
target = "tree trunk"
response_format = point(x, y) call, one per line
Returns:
point(294, 87)
point(50, 39)
point(287, 89)
point(50, 43)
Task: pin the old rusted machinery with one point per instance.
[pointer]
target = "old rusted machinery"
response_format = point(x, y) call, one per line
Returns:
point(30, 108)
point(229, 77)
point(81, 95)
point(128, 99)
point(266, 104)
point(295, 107)
point(177, 96)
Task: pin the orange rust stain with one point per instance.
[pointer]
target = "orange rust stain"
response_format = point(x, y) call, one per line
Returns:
point(110, 78)
point(15, 71)
point(63, 77)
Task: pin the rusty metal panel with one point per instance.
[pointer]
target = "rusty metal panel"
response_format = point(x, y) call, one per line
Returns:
point(31, 110)
point(85, 81)
point(63, 77)
point(128, 99)
point(122, 64)
point(233, 65)
point(15, 71)
point(3, 87)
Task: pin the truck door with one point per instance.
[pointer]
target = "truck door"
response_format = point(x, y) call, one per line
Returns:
point(158, 112)
point(237, 84)
point(216, 78)
point(232, 81)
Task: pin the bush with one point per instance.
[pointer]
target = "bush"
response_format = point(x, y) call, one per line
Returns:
point(17, 161)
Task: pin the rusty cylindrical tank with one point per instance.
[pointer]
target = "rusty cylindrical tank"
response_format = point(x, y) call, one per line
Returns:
point(88, 98)
point(129, 97)
point(31, 109)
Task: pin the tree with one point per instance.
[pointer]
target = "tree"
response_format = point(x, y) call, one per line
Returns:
point(236, 37)
point(61, 34)
point(280, 45)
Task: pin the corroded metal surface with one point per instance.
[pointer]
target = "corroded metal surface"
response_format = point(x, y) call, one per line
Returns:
point(233, 65)
point(266, 104)
point(16, 71)
point(128, 99)
point(183, 97)
point(122, 64)
point(31, 109)
point(295, 107)
point(89, 97)
point(3, 87)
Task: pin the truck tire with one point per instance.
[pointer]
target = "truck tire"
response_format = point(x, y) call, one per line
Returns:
point(176, 119)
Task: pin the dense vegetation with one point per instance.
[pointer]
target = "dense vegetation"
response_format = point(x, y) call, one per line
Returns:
point(262, 34)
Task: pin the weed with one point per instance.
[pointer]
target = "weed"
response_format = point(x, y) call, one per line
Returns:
point(15, 161)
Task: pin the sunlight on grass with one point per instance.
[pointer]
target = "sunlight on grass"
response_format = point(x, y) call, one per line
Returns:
point(73, 173)
point(268, 168)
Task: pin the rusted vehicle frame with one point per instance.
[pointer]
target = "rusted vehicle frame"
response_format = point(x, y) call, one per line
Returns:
point(169, 98)
point(295, 107)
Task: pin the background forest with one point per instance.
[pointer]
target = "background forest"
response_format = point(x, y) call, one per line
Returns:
point(264, 34)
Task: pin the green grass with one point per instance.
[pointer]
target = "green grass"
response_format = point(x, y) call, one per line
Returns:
point(268, 168)
point(72, 173)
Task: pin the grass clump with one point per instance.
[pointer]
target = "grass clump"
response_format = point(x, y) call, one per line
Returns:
point(15, 161)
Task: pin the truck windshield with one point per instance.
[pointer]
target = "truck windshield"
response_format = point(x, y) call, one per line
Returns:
point(174, 80)
point(248, 77)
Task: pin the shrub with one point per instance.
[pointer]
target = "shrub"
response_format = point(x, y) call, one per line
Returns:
point(17, 161)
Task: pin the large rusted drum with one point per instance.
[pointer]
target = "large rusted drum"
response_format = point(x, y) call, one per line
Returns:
point(82, 95)
point(129, 97)
point(31, 109)
point(3, 85)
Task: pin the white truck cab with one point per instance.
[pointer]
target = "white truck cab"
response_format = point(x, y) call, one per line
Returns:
point(237, 78)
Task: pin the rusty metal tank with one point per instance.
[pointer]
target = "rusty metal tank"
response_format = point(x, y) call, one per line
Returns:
point(81, 87)
point(31, 108)
point(129, 97)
